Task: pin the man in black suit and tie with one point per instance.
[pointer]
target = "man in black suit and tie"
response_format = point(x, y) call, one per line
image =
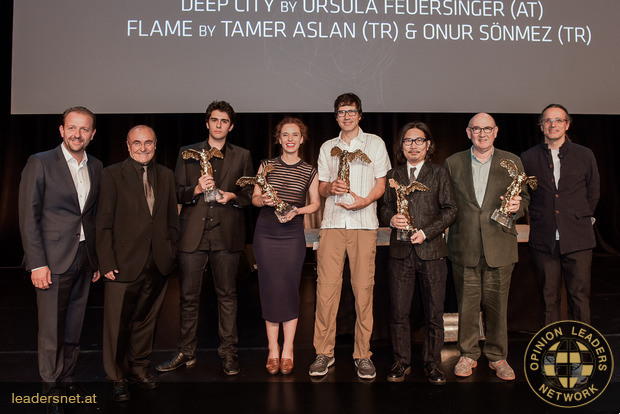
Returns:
point(421, 257)
point(137, 230)
point(57, 200)
point(211, 231)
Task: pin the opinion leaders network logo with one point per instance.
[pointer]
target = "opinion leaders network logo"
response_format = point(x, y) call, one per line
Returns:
point(568, 364)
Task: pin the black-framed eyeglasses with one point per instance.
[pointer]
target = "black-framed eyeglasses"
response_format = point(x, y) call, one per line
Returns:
point(477, 130)
point(350, 112)
point(559, 121)
point(418, 141)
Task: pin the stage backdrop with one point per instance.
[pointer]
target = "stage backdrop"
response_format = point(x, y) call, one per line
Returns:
point(163, 56)
point(24, 135)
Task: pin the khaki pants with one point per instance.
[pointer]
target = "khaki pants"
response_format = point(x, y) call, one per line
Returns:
point(334, 245)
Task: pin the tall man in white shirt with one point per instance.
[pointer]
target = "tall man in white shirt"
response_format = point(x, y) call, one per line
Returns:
point(348, 230)
point(57, 199)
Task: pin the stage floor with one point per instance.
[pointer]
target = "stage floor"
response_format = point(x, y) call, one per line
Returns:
point(204, 387)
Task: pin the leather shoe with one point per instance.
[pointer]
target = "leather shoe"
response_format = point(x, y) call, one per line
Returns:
point(146, 381)
point(177, 360)
point(273, 365)
point(434, 374)
point(398, 372)
point(230, 364)
point(75, 389)
point(286, 366)
point(120, 391)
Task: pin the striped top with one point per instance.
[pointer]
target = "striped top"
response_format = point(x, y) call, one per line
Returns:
point(291, 182)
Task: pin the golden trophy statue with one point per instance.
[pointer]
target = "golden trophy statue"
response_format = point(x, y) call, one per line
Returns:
point(203, 156)
point(344, 158)
point(283, 210)
point(402, 206)
point(502, 215)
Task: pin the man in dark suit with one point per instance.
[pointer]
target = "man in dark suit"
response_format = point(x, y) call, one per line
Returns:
point(483, 252)
point(211, 231)
point(562, 215)
point(423, 256)
point(137, 230)
point(57, 200)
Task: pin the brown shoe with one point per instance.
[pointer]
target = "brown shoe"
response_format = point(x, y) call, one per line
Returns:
point(286, 366)
point(273, 365)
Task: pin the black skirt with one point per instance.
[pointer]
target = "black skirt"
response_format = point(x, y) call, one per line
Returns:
point(280, 250)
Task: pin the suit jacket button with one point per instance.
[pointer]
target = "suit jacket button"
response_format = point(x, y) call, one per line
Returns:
point(77, 234)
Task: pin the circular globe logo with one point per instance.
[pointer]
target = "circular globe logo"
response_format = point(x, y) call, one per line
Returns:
point(568, 364)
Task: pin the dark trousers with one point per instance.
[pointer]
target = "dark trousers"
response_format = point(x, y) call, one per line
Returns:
point(61, 311)
point(224, 266)
point(488, 287)
point(431, 275)
point(130, 314)
point(575, 267)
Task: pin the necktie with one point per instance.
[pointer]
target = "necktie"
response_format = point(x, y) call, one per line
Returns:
point(412, 174)
point(148, 189)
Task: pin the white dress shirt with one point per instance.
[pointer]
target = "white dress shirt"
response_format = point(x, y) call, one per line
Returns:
point(81, 180)
point(363, 177)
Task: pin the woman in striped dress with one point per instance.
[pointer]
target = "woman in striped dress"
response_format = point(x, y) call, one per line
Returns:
point(280, 248)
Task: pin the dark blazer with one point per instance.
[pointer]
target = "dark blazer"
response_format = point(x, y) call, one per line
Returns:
point(228, 220)
point(49, 211)
point(474, 233)
point(431, 211)
point(569, 207)
point(126, 231)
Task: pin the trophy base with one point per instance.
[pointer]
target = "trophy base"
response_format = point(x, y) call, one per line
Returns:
point(212, 196)
point(286, 214)
point(404, 235)
point(502, 218)
point(345, 198)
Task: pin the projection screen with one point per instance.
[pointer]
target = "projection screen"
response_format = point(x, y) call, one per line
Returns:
point(175, 56)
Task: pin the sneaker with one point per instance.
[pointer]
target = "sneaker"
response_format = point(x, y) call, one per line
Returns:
point(365, 368)
point(502, 370)
point(320, 365)
point(464, 366)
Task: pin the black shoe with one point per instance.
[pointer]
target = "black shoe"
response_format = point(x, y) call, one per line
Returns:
point(434, 374)
point(75, 389)
point(54, 408)
point(398, 372)
point(230, 364)
point(120, 391)
point(177, 360)
point(146, 381)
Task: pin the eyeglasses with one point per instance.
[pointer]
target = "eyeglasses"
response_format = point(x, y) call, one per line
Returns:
point(418, 141)
point(350, 112)
point(559, 121)
point(477, 130)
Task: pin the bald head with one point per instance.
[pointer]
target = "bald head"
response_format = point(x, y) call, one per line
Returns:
point(141, 143)
point(482, 132)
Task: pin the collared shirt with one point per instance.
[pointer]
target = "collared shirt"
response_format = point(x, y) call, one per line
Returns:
point(363, 178)
point(480, 172)
point(81, 180)
point(417, 169)
point(555, 157)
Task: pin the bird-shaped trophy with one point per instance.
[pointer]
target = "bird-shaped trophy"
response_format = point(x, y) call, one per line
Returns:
point(211, 194)
point(402, 206)
point(344, 158)
point(284, 211)
point(502, 215)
